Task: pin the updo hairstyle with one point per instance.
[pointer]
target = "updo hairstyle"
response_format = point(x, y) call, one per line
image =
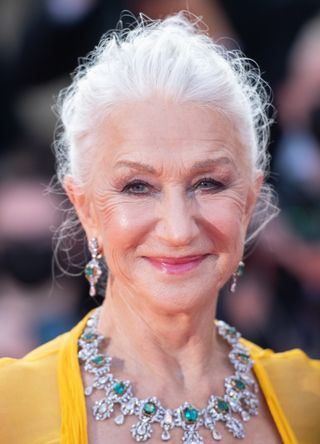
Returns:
point(175, 59)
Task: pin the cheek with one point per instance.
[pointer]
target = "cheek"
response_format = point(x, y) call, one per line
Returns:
point(224, 217)
point(122, 223)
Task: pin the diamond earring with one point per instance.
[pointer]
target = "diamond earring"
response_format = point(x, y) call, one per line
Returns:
point(93, 270)
point(236, 274)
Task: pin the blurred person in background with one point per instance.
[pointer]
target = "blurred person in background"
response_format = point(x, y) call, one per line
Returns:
point(294, 239)
point(162, 152)
point(285, 310)
point(289, 250)
point(33, 309)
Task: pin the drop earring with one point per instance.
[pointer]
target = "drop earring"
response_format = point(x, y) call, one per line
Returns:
point(236, 274)
point(93, 270)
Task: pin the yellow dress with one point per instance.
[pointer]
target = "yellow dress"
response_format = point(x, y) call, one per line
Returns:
point(42, 399)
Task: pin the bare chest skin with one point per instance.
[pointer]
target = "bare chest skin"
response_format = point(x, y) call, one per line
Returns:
point(260, 429)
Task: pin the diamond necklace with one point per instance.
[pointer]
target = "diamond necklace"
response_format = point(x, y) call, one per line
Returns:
point(238, 403)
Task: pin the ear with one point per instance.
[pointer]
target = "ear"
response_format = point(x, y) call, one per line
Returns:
point(253, 194)
point(83, 206)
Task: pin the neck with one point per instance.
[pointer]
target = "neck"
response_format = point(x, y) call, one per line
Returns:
point(168, 349)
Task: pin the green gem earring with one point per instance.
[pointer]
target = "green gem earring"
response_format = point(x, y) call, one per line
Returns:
point(93, 270)
point(238, 273)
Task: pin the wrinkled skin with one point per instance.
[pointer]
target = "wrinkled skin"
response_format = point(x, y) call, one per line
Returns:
point(168, 181)
point(198, 200)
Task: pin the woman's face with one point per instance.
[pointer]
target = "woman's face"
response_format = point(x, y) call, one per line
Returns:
point(170, 200)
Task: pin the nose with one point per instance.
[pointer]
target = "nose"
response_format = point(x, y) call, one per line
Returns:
point(177, 224)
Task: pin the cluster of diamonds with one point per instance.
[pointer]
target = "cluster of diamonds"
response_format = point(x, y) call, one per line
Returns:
point(238, 404)
point(93, 270)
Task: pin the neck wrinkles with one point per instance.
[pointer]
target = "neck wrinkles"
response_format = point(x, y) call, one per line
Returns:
point(177, 349)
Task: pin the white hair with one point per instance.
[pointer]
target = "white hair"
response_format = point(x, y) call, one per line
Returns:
point(175, 59)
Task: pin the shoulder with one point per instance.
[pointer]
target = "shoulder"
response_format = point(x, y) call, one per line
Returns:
point(295, 358)
point(290, 382)
point(29, 395)
point(41, 392)
point(40, 361)
point(289, 364)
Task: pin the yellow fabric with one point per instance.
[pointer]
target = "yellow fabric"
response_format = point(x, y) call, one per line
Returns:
point(42, 399)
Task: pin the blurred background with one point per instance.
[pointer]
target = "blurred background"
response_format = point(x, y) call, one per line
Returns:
point(277, 303)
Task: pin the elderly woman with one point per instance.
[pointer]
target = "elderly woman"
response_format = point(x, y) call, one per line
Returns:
point(163, 155)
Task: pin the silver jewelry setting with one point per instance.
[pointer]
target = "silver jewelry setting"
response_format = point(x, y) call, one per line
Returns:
point(93, 270)
point(238, 404)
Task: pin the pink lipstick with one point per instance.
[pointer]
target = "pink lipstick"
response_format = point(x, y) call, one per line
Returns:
point(176, 265)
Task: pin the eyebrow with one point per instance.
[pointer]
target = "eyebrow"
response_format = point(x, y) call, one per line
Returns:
point(199, 165)
point(139, 166)
point(203, 164)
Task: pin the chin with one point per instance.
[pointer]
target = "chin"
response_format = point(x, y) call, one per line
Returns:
point(185, 297)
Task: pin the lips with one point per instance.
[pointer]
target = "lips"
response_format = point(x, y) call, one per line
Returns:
point(176, 265)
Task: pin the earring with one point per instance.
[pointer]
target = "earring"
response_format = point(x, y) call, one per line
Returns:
point(93, 270)
point(238, 273)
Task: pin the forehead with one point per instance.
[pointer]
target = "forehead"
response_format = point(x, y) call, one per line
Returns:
point(155, 129)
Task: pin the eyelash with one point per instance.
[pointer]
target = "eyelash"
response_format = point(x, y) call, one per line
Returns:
point(216, 186)
point(128, 188)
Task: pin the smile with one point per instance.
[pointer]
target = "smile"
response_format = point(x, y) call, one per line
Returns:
point(176, 265)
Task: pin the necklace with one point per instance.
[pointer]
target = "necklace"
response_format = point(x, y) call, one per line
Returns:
point(238, 403)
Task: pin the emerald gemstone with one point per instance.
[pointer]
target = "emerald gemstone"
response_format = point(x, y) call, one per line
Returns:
point(89, 337)
point(89, 270)
point(239, 384)
point(149, 408)
point(232, 331)
point(240, 269)
point(119, 388)
point(222, 406)
point(98, 361)
point(190, 414)
point(243, 358)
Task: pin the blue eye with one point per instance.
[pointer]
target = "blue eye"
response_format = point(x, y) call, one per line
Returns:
point(137, 187)
point(209, 184)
